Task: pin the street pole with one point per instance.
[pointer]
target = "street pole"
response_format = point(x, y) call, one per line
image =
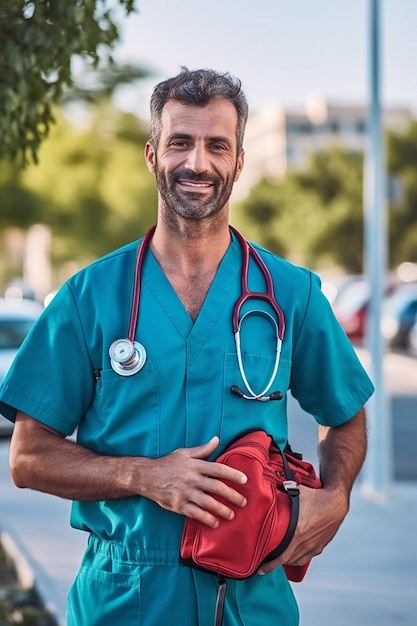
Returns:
point(377, 474)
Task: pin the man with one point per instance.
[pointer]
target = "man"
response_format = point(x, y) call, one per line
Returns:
point(150, 422)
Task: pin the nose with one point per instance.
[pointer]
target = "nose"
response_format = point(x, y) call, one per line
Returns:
point(197, 159)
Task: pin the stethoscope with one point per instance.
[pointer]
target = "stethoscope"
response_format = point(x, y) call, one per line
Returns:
point(127, 356)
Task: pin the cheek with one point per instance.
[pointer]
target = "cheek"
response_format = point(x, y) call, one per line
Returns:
point(169, 165)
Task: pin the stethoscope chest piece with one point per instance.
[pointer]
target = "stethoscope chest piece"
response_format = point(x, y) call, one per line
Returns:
point(127, 357)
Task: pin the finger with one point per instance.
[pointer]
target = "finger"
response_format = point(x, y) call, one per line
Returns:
point(208, 510)
point(294, 556)
point(225, 492)
point(203, 451)
point(201, 515)
point(217, 508)
point(225, 472)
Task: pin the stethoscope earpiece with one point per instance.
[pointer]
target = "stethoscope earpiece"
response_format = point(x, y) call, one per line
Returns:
point(237, 391)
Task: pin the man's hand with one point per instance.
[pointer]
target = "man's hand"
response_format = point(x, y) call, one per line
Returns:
point(321, 514)
point(185, 483)
point(342, 451)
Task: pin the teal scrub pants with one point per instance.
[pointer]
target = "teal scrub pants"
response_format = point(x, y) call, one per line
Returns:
point(117, 585)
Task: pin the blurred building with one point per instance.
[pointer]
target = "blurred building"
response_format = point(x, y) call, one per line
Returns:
point(277, 139)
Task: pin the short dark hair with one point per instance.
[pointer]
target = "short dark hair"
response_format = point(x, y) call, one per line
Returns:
point(198, 87)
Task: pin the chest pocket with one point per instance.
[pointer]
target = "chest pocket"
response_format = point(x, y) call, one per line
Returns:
point(239, 414)
point(125, 414)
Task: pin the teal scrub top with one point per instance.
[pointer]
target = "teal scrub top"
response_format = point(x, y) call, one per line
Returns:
point(181, 397)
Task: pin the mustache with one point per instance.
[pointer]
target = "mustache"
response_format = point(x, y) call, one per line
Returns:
point(190, 175)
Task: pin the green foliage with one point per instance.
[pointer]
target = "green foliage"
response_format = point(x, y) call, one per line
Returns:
point(97, 84)
point(260, 210)
point(38, 39)
point(336, 177)
point(402, 160)
point(19, 205)
point(91, 187)
point(312, 215)
point(315, 216)
point(95, 183)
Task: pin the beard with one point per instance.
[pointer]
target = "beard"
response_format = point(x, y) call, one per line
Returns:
point(189, 204)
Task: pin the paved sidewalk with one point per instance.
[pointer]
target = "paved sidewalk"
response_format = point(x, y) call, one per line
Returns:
point(367, 576)
point(35, 529)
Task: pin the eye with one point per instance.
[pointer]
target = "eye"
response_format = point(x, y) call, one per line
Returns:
point(178, 142)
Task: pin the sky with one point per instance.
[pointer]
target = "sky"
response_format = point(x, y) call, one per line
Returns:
point(283, 50)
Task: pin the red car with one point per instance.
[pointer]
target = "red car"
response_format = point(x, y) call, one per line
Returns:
point(351, 306)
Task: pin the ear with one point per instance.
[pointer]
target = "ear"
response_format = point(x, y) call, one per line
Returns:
point(239, 165)
point(150, 157)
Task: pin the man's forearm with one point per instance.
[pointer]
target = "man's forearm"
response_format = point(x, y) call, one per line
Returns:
point(181, 481)
point(342, 450)
point(45, 461)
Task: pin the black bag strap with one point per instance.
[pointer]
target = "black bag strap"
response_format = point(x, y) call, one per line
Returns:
point(293, 492)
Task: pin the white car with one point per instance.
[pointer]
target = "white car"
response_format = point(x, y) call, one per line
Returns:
point(16, 319)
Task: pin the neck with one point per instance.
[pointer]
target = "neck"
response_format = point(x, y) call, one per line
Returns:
point(190, 258)
point(190, 250)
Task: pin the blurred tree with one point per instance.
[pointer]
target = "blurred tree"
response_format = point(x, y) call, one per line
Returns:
point(19, 205)
point(335, 176)
point(38, 39)
point(402, 163)
point(260, 211)
point(95, 183)
point(313, 214)
point(97, 84)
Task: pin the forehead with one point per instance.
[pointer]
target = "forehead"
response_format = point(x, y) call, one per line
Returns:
point(216, 119)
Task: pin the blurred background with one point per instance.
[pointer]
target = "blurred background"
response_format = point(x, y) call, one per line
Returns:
point(75, 83)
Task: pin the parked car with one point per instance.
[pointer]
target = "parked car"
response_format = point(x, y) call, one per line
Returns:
point(16, 319)
point(333, 287)
point(351, 306)
point(398, 315)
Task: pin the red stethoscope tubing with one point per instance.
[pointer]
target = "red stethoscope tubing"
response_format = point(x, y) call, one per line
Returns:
point(137, 283)
point(247, 251)
point(268, 295)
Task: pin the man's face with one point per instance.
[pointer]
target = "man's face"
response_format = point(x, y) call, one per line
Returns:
point(196, 161)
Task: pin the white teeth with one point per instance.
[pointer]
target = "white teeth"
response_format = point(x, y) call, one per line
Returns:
point(188, 184)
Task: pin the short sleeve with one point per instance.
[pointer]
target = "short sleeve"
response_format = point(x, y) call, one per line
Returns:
point(51, 378)
point(327, 377)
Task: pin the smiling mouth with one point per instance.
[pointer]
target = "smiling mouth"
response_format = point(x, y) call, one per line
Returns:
point(195, 185)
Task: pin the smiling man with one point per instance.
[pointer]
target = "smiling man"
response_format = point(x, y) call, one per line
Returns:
point(150, 363)
point(196, 159)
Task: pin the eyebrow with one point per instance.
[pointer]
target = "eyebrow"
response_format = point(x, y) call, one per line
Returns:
point(220, 139)
point(213, 139)
point(179, 136)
